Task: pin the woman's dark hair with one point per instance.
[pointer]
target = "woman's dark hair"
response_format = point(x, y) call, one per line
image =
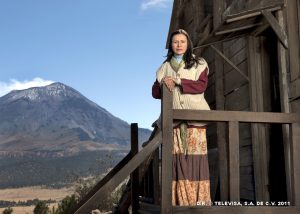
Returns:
point(188, 56)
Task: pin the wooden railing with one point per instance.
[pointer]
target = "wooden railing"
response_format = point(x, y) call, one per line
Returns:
point(233, 118)
point(162, 188)
point(119, 173)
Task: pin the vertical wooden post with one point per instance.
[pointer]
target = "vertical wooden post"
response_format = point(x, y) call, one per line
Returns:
point(134, 176)
point(295, 166)
point(234, 161)
point(284, 101)
point(258, 131)
point(167, 146)
point(218, 9)
point(156, 176)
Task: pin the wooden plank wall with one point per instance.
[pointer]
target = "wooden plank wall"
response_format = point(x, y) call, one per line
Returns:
point(236, 92)
point(189, 14)
point(293, 28)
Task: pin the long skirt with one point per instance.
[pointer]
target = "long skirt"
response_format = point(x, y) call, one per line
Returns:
point(190, 183)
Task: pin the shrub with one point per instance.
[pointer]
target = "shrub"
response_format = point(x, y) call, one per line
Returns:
point(112, 200)
point(83, 186)
point(53, 211)
point(67, 204)
point(8, 210)
point(41, 208)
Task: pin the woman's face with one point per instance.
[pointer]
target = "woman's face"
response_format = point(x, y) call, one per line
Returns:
point(179, 44)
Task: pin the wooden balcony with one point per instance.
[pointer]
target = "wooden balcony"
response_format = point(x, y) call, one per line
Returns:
point(145, 165)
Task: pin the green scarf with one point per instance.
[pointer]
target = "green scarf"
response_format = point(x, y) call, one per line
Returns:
point(175, 65)
point(183, 136)
point(183, 125)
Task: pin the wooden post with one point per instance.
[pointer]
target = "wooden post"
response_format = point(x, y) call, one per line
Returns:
point(156, 176)
point(295, 166)
point(218, 8)
point(284, 102)
point(258, 131)
point(167, 146)
point(294, 41)
point(134, 176)
point(234, 161)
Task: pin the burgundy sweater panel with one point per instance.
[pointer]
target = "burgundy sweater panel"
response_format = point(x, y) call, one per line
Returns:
point(195, 87)
point(187, 86)
point(156, 91)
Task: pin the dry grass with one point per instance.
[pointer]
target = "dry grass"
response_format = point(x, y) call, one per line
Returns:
point(30, 193)
point(27, 209)
point(21, 210)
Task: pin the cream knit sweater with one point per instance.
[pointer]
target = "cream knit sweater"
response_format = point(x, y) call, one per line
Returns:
point(180, 100)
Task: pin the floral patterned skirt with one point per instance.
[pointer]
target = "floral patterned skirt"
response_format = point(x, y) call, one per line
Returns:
point(190, 183)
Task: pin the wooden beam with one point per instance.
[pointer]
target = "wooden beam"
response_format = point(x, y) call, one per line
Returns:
point(295, 166)
point(167, 146)
point(229, 62)
point(234, 161)
point(257, 31)
point(156, 179)
point(204, 22)
point(258, 131)
point(276, 27)
point(284, 103)
point(108, 187)
point(295, 89)
point(219, 39)
point(254, 127)
point(218, 8)
point(249, 14)
point(243, 27)
point(241, 116)
point(134, 176)
point(293, 35)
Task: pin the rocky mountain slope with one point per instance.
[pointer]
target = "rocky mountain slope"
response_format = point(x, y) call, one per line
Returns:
point(52, 135)
point(58, 120)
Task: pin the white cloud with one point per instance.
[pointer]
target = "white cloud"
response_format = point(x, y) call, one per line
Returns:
point(147, 4)
point(13, 84)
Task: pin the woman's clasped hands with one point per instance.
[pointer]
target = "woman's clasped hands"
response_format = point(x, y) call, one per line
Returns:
point(169, 82)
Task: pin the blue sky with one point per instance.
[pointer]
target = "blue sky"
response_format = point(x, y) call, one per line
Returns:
point(107, 50)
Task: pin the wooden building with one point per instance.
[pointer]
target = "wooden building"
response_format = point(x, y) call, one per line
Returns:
point(253, 51)
point(252, 47)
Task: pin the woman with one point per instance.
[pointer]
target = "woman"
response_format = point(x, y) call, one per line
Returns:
point(186, 76)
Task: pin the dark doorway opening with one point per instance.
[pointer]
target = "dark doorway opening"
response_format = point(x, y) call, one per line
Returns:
point(277, 181)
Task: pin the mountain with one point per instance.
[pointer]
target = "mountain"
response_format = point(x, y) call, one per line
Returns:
point(58, 120)
point(51, 135)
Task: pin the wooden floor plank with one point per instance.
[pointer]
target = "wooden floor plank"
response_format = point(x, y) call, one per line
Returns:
point(150, 208)
point(238, 210)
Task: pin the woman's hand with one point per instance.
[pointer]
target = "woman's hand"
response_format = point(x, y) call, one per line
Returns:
point(169, 82)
